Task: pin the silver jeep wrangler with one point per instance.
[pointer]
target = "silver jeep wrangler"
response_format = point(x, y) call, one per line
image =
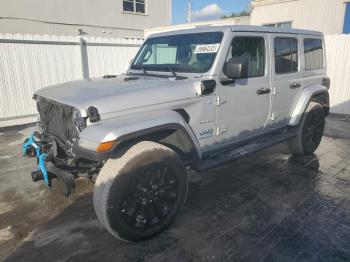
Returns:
point(191, 100)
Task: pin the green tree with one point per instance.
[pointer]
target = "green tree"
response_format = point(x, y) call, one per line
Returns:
point(243, 13)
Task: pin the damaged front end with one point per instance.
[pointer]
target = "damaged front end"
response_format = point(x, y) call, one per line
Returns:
point(53, 146)
point(32, 147)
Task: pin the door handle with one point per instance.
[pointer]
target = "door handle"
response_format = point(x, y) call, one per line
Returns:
point(263, 91)
point(295, 85)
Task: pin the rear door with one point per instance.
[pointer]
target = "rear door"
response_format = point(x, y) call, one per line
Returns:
point(286, 77)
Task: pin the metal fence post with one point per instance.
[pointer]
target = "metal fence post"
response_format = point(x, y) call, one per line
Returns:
point(84, 59)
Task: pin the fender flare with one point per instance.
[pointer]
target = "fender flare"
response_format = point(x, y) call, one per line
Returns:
point(131, 127)
point(189, 148)
point(305, 97)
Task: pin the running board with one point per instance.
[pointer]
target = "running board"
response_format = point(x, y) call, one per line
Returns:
point(230, 155)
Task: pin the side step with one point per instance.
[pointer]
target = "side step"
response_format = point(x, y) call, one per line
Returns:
point(241, 151)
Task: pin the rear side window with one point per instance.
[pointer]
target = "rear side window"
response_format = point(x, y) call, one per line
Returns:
point(250, 52)
point(313, 53)
point(286, 55)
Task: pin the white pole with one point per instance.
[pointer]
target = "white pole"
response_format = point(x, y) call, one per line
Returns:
point(189, 16)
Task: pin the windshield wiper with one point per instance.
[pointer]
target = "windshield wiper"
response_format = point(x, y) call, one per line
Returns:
point(145, 73)
point(172, 71)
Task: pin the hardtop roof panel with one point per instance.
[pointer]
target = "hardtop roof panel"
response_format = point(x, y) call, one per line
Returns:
point(238, 28)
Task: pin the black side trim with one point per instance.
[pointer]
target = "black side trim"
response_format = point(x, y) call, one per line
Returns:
point(246, 141)
point(184, 114)
point(244, 150)
point(322, 97)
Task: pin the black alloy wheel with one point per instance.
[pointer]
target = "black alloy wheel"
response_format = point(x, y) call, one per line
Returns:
point(313, 130)
point(150, 197)
point(139, 194)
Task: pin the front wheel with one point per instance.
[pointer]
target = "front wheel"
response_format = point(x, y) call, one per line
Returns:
point(139, 194)
point(310, 131)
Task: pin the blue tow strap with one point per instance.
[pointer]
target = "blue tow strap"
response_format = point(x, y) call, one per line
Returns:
point(40, 156)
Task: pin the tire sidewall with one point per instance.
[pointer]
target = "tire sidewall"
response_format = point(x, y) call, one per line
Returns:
point(312, 110)
point(126, 174)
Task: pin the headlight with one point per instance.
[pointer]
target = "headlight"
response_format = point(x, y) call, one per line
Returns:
point(78, 121)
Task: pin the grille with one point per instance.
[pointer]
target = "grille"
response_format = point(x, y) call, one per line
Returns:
point(56, 119)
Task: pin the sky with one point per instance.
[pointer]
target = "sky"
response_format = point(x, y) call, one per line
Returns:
point(347, 20)
point(206, 9)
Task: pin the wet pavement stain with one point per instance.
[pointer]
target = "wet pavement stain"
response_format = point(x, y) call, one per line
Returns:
point(266, 207)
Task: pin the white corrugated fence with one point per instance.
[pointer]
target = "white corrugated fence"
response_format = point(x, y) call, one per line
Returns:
point(30, 62)
point(338, 60)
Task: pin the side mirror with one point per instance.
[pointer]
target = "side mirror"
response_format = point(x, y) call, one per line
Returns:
point(234, 70)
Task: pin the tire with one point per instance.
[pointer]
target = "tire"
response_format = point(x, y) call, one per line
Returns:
point(140, 193)
point(310, 131)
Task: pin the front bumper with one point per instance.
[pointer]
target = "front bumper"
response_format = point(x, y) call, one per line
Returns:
point(45, 152)
point(33, 148)
point(64, 162)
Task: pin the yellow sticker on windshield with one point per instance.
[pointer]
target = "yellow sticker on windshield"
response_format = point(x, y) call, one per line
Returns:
point(211, 48)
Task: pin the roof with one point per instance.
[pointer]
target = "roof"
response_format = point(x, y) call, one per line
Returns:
point(239, 20)
point(239, 28)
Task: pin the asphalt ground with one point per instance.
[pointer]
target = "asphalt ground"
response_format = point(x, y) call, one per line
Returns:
point(269, 206)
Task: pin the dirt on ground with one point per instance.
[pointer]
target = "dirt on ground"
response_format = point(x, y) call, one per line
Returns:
point(268, 206)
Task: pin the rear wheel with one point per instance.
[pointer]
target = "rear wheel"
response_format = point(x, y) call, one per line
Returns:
point(139, 194)
point(310, 131)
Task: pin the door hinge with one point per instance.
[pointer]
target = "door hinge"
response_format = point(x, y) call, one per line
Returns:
point(220, 130)
point(274, 116)
point(274, 91)
point(220, 100)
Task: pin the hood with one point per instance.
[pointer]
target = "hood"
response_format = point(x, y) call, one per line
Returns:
point(116, 94)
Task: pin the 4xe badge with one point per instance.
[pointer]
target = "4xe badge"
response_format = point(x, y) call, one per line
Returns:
point(206, 133)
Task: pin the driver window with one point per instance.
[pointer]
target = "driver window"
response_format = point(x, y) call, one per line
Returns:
point(250, 52)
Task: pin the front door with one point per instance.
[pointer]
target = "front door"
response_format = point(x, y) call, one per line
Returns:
point(286, 78)
point(243, 106)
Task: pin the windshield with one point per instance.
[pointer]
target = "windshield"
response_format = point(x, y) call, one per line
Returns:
point(191, 53)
